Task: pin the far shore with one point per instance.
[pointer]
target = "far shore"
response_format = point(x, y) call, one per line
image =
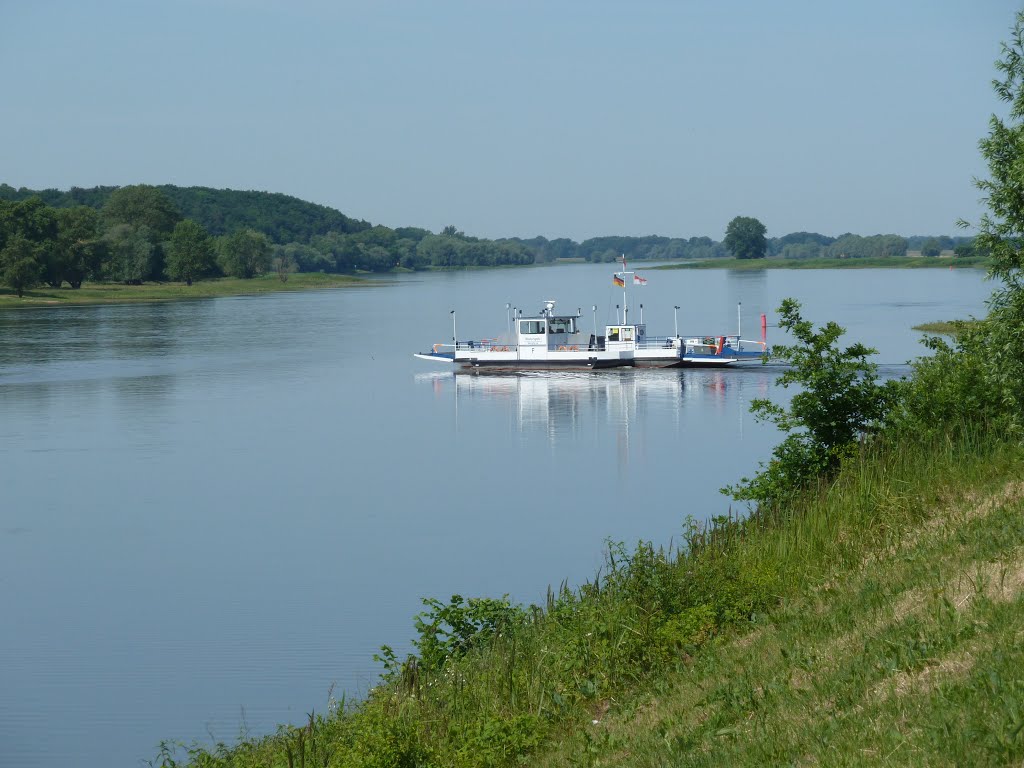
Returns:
point(890, 262)
point(117, 293)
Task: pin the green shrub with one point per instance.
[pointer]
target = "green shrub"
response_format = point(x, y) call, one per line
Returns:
point(840, 402)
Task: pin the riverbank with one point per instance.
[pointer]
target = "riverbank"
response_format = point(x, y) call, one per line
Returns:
point(116, 293)
point(893, 262)
point(890, 602)
point(945, 327)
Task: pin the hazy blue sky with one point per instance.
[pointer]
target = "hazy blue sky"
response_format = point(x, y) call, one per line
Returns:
point(564, 119)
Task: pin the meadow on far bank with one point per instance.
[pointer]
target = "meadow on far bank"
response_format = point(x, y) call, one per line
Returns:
point(119, 293)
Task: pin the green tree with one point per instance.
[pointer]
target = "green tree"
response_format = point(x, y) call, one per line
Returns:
point(1001, 230)
point(79, 250)
point(245, 253)
point(998, 342)
point(142, 206)
point(131, 253)
point(28, 233)
point(19, 264)
point(283, 264)
point(931, 248)
point(840, 401)
point(745, 238)
point(189, 252)
point(964, 250)
point(30, 219)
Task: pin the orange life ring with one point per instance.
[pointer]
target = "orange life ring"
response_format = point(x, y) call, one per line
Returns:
point(574, 348)
point(561, 348)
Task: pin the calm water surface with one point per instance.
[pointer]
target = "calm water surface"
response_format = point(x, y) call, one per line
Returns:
point(212, 512)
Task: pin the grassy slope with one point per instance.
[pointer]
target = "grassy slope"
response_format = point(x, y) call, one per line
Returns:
point(899, 640)
point(115, 293)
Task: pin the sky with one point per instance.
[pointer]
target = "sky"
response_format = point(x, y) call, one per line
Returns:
point(514, 119)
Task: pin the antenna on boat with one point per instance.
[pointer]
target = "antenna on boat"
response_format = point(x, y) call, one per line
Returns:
point(739, 320)
point(508, 318)
point(641, 314)
point(675, 319)
point(455, 336)
point(595, 325)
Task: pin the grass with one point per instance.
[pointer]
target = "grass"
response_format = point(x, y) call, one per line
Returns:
point(945, 327)
point(877, 621)
point(116, 293)
point(893, 262)
point(898, 641)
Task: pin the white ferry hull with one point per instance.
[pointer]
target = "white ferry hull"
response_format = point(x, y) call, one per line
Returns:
point(543, 360)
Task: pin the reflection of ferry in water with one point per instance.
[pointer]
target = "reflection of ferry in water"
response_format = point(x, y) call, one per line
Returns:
point(563, 403)
point(554, 342)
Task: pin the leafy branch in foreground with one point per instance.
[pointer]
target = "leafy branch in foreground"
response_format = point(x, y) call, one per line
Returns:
point(988, 360)
point(840, 402)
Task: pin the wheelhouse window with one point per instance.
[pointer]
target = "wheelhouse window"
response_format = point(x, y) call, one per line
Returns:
point(531, 326)
point(561, 325)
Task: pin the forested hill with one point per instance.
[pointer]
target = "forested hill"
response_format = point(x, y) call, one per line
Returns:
point(282, 218)
point(125, 234)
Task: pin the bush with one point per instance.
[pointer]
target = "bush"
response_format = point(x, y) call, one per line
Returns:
point(840, 403)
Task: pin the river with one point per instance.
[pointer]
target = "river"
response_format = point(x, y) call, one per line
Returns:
point(213, 513)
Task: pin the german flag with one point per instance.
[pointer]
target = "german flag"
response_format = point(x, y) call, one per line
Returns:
point(616, 280)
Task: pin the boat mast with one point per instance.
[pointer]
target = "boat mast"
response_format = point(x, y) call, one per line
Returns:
point(625, 306)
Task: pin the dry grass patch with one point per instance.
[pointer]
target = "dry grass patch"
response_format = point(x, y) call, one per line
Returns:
point(972, 506)
point(999, 581)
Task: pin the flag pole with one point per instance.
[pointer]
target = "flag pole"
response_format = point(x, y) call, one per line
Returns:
point(625, 306)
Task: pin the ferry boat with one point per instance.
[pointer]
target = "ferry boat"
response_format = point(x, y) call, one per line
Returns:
point(550, 341)
point(544, 341)
point(547, 341)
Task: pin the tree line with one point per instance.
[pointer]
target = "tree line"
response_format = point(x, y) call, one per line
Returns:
point(144, 233)
point(139, 233)
point(745, 238)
